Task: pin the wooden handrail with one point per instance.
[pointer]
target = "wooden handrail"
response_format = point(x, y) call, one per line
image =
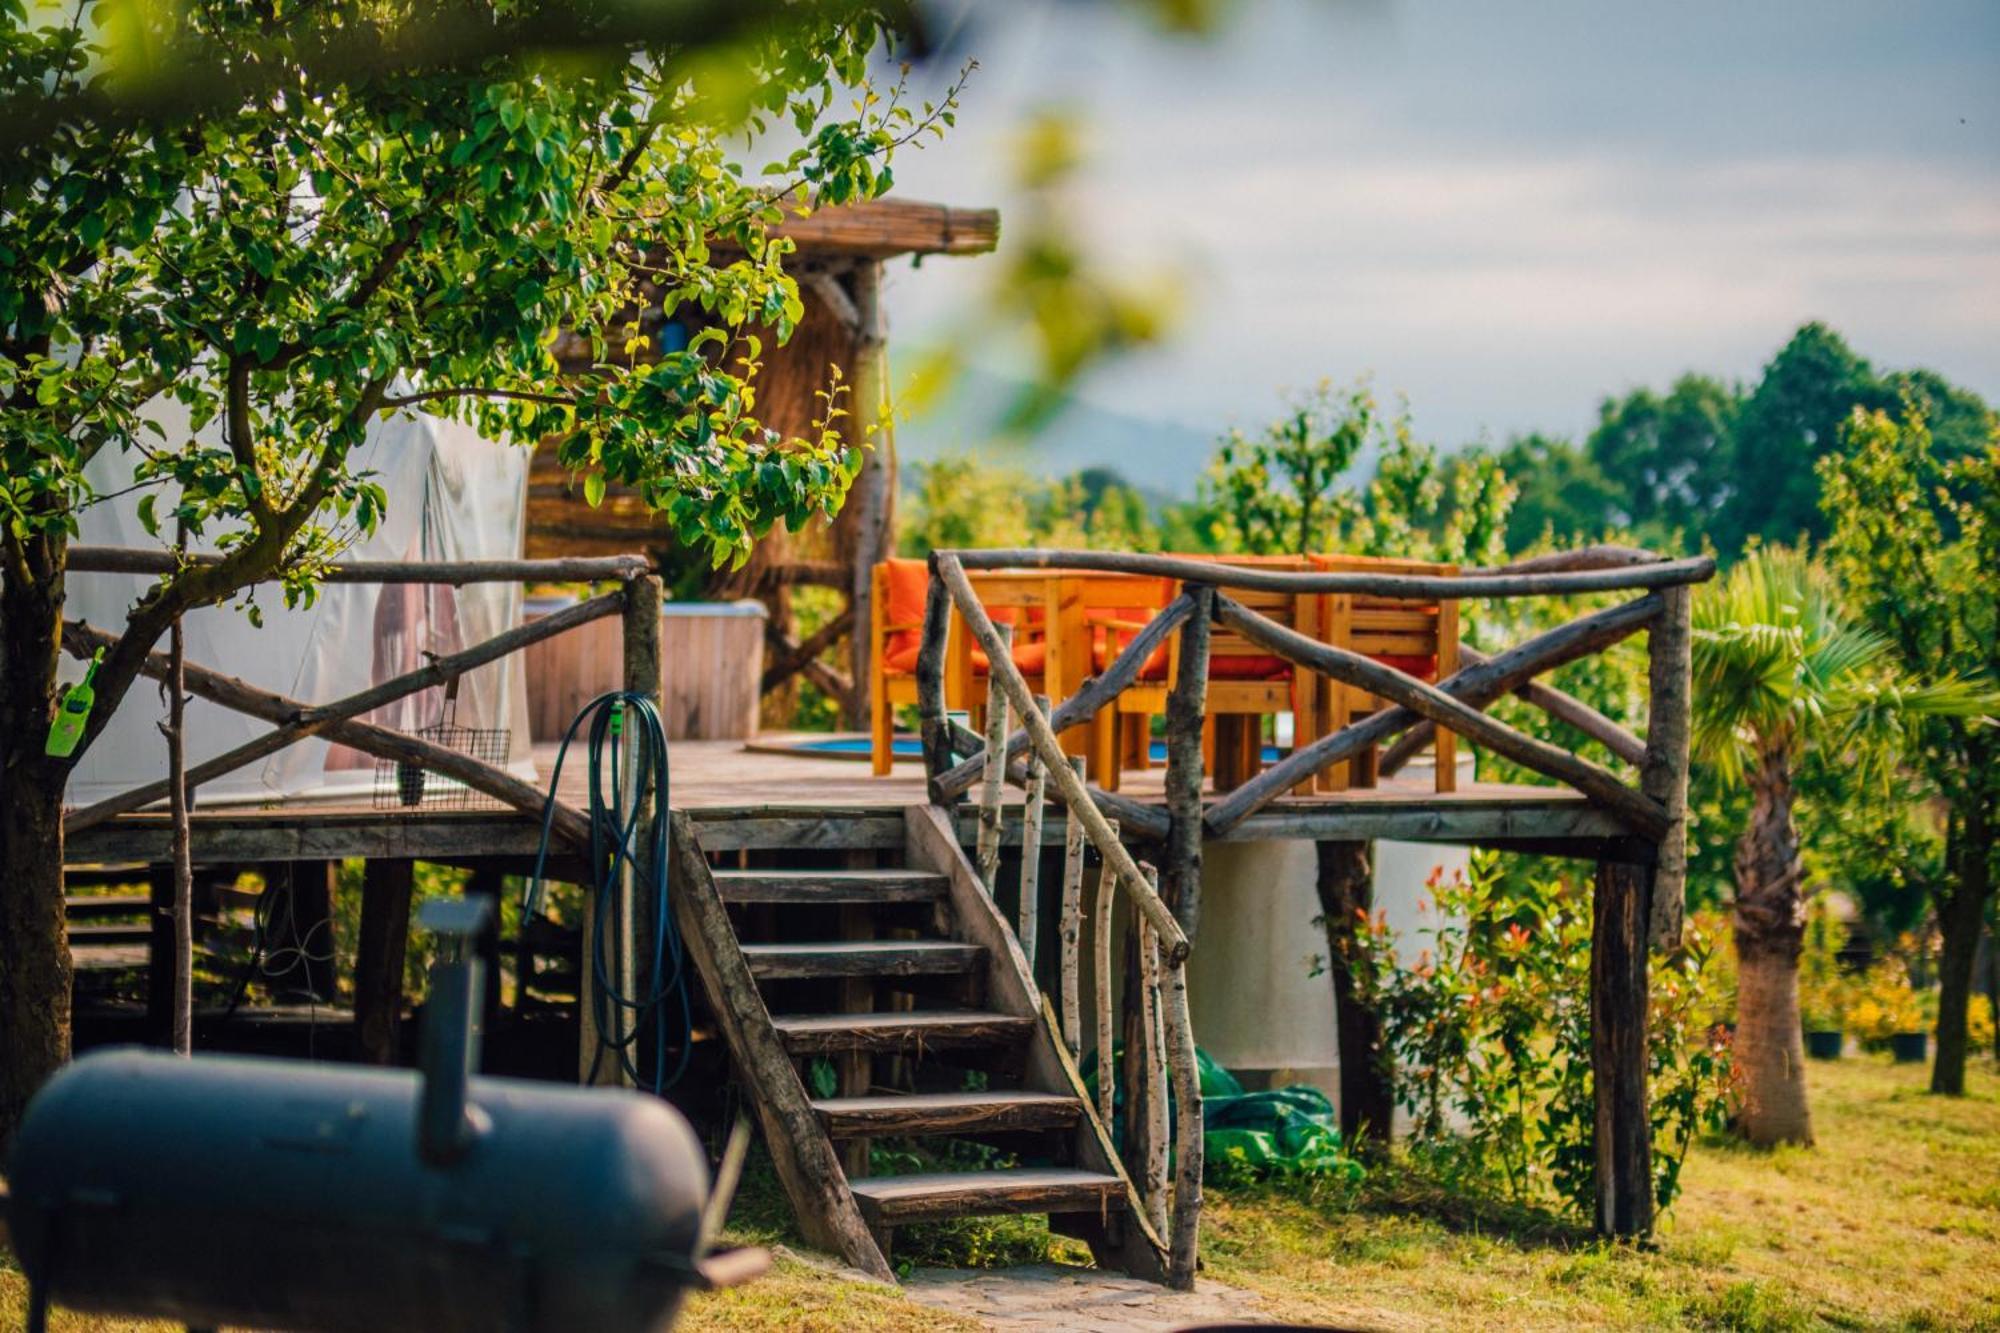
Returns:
point(1639, 811)
point(314, 719)
point(1602, 556)
point(1001, 666)
point(570, 569)
point(1406, 587)
point(1084, 704)
point(1558, 704)
point(568, 823)
point(1475, 685)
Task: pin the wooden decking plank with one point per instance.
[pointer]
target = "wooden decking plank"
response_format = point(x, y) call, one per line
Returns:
point(947, 1113)
point(936, 1197)
point(862, 958)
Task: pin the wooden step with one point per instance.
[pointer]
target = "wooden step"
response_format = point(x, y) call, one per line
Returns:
point(912, 1032)
point(947, 1113)
point(829, 886)
point(888, 1201)
point(83, 935)
point(94, 906)
point(862, 958)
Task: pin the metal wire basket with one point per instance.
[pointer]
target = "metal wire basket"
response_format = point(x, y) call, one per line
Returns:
point(402, 785)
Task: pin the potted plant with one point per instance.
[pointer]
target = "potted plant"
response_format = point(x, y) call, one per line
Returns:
point(1822, 1009)
point(1889, 1013)
point(1822, 987)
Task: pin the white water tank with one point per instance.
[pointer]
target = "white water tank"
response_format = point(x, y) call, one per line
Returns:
point(1258, 989)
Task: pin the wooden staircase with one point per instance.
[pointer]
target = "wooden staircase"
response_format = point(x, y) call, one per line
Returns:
point(911, 986)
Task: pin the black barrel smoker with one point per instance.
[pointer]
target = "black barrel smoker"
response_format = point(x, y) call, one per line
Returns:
point(284, 1195)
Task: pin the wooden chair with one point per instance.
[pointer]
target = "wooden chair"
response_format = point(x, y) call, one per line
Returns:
point(896, 625)
point(1025, 599)
point(1246, 683)
point(1420, 639)
point(1100, 614)
point(895, 633)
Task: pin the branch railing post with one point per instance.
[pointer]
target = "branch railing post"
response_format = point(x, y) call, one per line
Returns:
point(1664, 775)
point(1186, 704)
point(931, 715)
point(994, 782)
point(1030, 907)
point(1075, 795)
point(1100, 979)
point(1070, 934)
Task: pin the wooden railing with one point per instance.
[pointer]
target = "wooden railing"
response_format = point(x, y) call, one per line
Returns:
point(1168, 906)
point(637, 600)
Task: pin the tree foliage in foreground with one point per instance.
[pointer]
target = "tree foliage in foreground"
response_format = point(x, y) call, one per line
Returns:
point(354, 214)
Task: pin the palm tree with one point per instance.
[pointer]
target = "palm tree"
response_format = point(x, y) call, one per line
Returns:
point(1779, 669)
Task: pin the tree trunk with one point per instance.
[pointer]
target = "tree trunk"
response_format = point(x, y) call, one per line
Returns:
point(1346, 893)
point(1770, 932)
point(1961, 912)
point(34, 945)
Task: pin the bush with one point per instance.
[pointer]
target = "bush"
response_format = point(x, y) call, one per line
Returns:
point(1488, 1036)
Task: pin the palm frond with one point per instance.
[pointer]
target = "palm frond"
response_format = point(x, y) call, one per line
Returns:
point(1777, 661)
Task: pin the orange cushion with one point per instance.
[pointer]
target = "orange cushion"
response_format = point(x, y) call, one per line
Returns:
point(1423, 668)
point(1153, 668)
point(1031, 658)
point(1248, 666)
point(907, 583)
point(1101, 656)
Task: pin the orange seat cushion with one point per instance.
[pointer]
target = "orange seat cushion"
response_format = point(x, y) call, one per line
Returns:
point(1032, 659)
point(1153, 668)
point(1101, 656)
point(1423, 668)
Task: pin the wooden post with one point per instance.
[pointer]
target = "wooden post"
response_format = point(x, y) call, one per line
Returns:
point(1664, 775)
point(1152, 1051)
point(1186, 704)
point(931, 651)
point(181, 1003)
point(160, 950)
point(1618, 1000)
point(1189, 1146)
point(1031, 849)
point(1071, 932)
point(642, 676)
point(312, 919)
point(380, 948)
point(1100, 948)
point(1346, 884)
point(871, 500)
point(995, 778)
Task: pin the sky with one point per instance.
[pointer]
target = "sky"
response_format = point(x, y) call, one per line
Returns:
point(1504, 212)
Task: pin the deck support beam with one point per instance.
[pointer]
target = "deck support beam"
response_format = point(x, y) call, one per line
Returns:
point(380, 948)
point(1346, 886)
point(1620, 915)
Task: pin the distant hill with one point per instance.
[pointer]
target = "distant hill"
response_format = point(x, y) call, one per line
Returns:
point(1159, 458)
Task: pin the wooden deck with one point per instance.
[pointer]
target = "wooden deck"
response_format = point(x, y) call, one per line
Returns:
point(743, 797)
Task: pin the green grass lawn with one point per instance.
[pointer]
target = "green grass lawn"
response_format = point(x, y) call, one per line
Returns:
point(1893, 1221)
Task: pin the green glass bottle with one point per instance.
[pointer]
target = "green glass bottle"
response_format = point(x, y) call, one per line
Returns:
point(73, 714)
